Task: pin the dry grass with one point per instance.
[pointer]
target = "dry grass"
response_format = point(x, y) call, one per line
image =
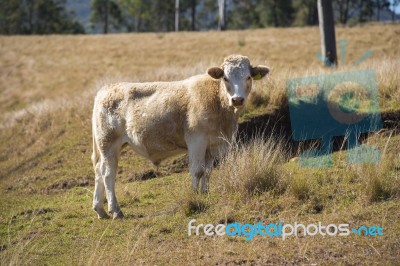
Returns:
point(48, 67)
point(252, 168)
point(47, 87)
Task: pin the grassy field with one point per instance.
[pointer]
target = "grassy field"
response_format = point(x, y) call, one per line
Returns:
point(47, 85)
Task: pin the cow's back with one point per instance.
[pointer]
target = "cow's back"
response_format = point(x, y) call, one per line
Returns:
point(156, 118)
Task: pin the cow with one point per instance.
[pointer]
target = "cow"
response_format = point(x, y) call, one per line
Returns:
point(162, 119)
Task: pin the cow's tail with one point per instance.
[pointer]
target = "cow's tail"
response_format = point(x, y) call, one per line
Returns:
point(95, 154)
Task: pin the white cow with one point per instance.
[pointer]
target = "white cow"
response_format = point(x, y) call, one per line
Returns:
point(162, 119)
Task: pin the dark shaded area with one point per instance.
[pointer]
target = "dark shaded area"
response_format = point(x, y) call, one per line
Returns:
point(63, 185)
point(227, 220)
point(144, 176)
point(178, 165)
point(30, 213)
point(391, 120)
point(194, 207)
point(277, 123)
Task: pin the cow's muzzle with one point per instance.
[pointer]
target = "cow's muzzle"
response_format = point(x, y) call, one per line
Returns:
point(237, 101)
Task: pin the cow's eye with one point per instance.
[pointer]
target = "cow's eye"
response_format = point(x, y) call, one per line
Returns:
point(225, 79)
point(248, 78)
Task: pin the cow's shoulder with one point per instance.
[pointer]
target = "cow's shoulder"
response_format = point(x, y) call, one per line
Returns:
point(204, 93)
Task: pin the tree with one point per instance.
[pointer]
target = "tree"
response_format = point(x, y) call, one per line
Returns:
point(366, 10)
point(277, 13)
point(380, 4)
point(221, 14)
point(245, 14)
point(106, 12)
point(207, 16)
point(193, 13)
point(138, 12)
point(36, 17)
point(327, 29)
point(176, 15)
point(394, 4)
point(188, 14)
point(306, 12)
point(157, 15)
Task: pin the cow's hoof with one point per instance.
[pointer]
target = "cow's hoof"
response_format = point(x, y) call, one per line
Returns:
point(118, 215)
point(101, 214)
point(105, 216)
point(204, 191)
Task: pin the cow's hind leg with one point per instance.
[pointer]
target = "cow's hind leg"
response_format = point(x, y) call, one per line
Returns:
point(108, 168)
point(105, 170)
point(98, 195)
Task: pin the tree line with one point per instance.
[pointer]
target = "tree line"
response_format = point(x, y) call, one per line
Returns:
point(51, 16)
point(37, 17)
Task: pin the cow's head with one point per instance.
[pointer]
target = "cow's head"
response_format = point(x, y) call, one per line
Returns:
point(237, 75)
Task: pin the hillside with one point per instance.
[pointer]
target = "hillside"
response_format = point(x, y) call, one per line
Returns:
point(47, 85)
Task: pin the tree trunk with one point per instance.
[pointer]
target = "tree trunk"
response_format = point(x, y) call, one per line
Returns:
point(361, 14)
point(138, 20)
point(371, 9)
point(394, 4)
point(194, 4)
point(378, 11)
point(394, 8)
point(340, 3)
point(176, 15)
point(346, 12)
point(30, 17)
point(314, 16)
point(327, 29)
point(275, 13)
point(221, 13)
point(105, 28)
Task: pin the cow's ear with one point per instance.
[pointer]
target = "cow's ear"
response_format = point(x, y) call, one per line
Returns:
point(215, 72)
point(259, 72)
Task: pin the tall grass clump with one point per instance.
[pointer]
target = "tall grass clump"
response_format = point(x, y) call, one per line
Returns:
point(388, 76)
point(252, 168)
point(380, 182)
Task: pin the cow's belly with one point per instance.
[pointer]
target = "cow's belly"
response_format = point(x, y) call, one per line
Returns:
point(158, 138)
point(156, 147)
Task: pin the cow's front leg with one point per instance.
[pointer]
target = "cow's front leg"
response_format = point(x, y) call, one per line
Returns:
point(204, 182)
point(197, 145)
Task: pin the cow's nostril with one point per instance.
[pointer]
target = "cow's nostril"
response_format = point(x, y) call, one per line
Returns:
point(237, 100)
